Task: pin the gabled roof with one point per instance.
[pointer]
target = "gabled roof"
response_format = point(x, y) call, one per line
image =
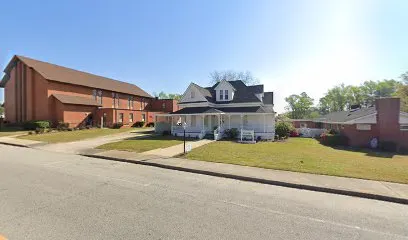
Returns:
point(345, 116)
point(76, 100)
point(242, 94)
point(67, 75)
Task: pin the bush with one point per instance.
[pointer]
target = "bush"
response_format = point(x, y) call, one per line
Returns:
point(33, 125)
point(39, 130)
point(332, 131)
point(231, 133)
point(139, 124)
point(333, 140)
point(117, 125)
point(388, 146)
point(283, 129)
point(165, 133)
point(150, 124)
point(61, 126)
point(294, 133)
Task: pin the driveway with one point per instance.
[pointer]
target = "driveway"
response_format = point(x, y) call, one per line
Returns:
point(87, 145)
point(47, 195)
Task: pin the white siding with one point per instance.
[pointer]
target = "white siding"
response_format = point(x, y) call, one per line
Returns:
point(198, 97)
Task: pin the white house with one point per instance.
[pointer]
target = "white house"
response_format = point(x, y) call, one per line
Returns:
point(226, 105)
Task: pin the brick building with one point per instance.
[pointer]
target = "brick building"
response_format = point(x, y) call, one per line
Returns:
point(383, 121)
point(36, 90)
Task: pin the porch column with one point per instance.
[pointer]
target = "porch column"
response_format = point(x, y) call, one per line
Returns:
point(264, 123)
point(203, 122)
point(242, 121)
point(219, 121)
point(229, 121)
point(210, 122)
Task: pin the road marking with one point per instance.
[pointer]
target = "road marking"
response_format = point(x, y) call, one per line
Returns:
point(313, 219)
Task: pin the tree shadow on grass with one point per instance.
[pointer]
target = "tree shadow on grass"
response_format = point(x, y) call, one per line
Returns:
point(369, 152)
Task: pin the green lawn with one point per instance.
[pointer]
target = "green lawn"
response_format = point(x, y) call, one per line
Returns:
point(307, 155)
point(143, 144)
point(9, 131)
point(70, 136)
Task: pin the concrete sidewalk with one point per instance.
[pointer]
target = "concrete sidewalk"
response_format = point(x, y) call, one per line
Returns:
point(385, 191)
point(177, 149)
point(11, 140)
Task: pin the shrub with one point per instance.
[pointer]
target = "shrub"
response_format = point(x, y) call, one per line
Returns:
point(294, 133)
point(332, 131)
point(333, 140)
point(39, 130)
point(139, 124)
point(165, 133)
point(283, 129)
point(388, 146)
point(61, 126)
point(231, 133)
point(258, 139)
point(70, 129)
point(30, 133)
point(117, 125)
point(150, 124)
point(33, 125)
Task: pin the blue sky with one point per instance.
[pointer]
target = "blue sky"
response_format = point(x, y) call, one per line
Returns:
point(291, 46)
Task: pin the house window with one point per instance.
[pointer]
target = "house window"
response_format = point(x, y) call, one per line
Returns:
point(115, 100)
point(363, 127)
point(245, 121)
point(404, 127)
point(143, 117)
point(120, 117)
point(130, 102)
point(193, 121)
point(100, 97)
point(221, 94)
point(303, 125)
point(164, 105)
point(94, 94)
point(226, 94)
point(130, 117)
point(192, 94)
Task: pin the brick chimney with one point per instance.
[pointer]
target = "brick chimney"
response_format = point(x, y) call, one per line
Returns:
point(388, 111)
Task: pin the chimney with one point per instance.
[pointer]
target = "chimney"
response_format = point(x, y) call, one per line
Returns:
point(388, 111)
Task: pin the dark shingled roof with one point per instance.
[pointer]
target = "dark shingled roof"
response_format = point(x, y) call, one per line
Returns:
point(67, 75)
point(242, 94)
point(76, 100)
point(345, 116)
point(202, 110)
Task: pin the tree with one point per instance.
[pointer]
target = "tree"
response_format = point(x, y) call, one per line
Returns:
point(229, 75)
point(1, 110)
point(299, 105)
point(163, 95)
point(404, 77)
point(402, 93)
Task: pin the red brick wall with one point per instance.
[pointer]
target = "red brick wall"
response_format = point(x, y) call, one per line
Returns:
point(10, 98)
point(169, 105)
point(310, 124)
point(360, 138)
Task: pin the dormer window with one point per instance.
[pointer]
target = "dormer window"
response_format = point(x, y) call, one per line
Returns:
point(221, 94)
point(226, 94)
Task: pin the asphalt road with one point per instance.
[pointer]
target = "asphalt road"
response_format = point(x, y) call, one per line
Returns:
point(46, 195)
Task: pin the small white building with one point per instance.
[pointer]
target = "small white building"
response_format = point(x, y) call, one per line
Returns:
point(226, 105)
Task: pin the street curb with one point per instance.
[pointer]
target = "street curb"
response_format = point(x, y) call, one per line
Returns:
point(261, 180)
point(14, 144)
